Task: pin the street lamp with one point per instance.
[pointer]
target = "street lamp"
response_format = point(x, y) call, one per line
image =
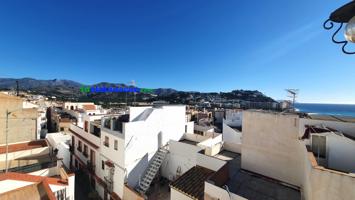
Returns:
point(344, 14)
point(6, 134)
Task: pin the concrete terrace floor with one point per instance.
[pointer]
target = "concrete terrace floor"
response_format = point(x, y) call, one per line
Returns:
point(159, 190)
point(253, 186)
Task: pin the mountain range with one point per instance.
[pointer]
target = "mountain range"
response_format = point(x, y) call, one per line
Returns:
point(70, 90)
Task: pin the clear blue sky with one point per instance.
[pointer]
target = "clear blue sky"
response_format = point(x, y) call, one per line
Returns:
point(204, 45)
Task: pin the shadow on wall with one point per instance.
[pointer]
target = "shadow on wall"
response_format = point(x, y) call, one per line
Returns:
point(137, 171)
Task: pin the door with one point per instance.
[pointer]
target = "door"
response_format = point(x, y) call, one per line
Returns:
point(92, 157)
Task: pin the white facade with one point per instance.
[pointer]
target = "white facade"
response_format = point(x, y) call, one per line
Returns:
point(272, 146)
point(147, 129)
point(81, 109)
point(232, 138)
point(60, 141)
point(126, 143)
point(234, 118)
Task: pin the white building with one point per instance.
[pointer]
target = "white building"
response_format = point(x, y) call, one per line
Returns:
point(234, 118)
point(34, 173)
point(60, 144)
point(277, 145)
point(203, 130)
point(118, 149)
point(80, 109)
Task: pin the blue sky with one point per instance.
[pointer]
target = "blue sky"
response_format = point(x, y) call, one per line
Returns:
point(187, 45)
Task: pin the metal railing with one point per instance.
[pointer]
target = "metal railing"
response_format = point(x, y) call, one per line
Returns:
point(32, 167)
point(109, 183)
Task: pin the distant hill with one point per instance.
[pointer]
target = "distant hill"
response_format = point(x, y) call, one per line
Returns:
point(70, 90)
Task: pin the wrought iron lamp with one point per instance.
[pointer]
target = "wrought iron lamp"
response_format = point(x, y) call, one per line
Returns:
point(344, 14)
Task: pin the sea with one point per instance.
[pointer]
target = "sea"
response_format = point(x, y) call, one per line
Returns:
point(327, 109)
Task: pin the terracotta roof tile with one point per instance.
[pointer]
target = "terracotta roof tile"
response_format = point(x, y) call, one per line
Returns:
point(89, 107)
point(24, 146)
point(192, 182)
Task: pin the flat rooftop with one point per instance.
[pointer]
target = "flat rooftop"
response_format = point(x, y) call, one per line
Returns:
point(254, 186)
point(226, 155)
point(337, 118)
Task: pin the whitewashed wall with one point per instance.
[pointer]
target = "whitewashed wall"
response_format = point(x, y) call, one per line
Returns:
point(234, 118)
point(142, 138)
point(181, 155)
point(270, 145)
point(341, 153)
point(232, 139)
point(333, 185)
point(176, 195)
point(209, 162)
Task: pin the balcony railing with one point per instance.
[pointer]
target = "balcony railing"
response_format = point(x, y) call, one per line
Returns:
point(32, 167)
point(61, 194)
point(109, 183)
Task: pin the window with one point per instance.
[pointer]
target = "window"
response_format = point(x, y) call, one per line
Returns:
point(103, 165)
point(85, 153)
point(107, 123)
point(106, 142)
point(61, 128)
point(185, 128)
point(79, 146)
point(116, 145)
point(86, 126)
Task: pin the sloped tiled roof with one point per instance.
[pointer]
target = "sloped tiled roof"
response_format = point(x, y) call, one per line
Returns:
point(192, 182)
point(89, 107)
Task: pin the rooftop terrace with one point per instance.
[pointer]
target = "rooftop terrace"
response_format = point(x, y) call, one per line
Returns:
point(254, 186)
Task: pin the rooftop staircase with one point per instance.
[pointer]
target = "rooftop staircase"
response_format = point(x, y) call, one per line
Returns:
point(152, 170)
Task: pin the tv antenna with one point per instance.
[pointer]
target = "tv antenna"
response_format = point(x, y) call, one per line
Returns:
point(292, 93)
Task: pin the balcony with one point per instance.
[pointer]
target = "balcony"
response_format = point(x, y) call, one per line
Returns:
point(115, 123)
point(109, 183)
point(32, 167)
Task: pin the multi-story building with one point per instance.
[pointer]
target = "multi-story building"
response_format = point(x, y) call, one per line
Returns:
point(80, 109)
point(117, 149)
point(17, 123)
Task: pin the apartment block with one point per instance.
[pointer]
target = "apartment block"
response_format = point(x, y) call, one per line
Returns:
point(117, 150)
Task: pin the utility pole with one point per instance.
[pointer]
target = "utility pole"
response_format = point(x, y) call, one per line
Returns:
point(6, 134)
point(6, 137)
